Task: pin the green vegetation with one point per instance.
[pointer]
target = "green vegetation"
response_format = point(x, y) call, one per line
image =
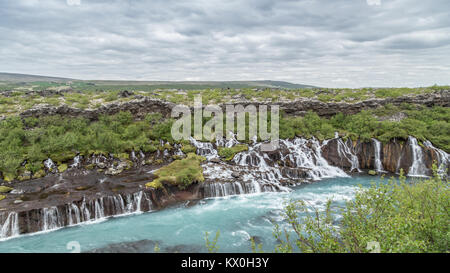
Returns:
point(4, 189)
point(211, 246)
point(181, 173)
point(229, 153)
point(400, 216)
point(33, 140)
point(26, 143)
point(94, 94)
point(421, 122)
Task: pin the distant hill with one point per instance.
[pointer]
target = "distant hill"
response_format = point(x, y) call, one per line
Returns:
point(23, 78)
point(14, 77)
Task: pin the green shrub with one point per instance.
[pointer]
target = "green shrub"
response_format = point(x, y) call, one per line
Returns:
point(401, 216)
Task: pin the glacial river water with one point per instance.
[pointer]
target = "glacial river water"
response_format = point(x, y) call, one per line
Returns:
point(182, 228)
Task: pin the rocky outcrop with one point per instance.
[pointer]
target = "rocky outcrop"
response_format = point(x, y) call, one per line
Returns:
point(143, 105)
point(393, 156)
point(138, 107)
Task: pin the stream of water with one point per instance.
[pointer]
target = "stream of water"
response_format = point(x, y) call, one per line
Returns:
point(182, 228)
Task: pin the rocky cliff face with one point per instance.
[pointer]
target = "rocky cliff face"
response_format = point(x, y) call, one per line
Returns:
point(143, 105)
point(415, 159)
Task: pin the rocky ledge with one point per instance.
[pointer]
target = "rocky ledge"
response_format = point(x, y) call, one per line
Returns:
point(143, 105)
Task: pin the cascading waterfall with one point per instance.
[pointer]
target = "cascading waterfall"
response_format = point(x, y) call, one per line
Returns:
point(55, 217)
point(442, 158)
point(10, 227)
point(76, 162)
point(49, 164)
point(312, 159)
point(418, 168)
point(298, 159)
point(346, 152)
point(377, 150)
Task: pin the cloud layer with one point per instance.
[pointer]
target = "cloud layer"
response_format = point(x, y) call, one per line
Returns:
point(333, 43)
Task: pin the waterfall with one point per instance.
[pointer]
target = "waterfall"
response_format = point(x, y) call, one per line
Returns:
point(77, 212)
point(76, 162)
point(10, 226)
point(377, 150)
point(205, 149)
point(255, 171)
point(51, 219)
point(49, 164)
point(418, 168)
point(346, 152)
point(442, 158)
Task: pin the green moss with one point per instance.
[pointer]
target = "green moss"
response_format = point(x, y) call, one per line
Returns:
point(4, 189)
point(156, 184)
point(123, 156)
point(62, 168)
point(90, 166)
point(39, 174)
point(149, 148)
point(2, 197)
point(229, 153)
point(181, 173)
point(8, 177)
point(188, 148)
point(372, 172)
point(62, 157)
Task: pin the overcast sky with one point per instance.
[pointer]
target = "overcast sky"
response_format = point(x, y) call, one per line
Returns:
point(331, 43)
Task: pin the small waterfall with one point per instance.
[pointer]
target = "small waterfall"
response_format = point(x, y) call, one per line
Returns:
point(99, 209)
point(442, 158)
point(10, 226)
point(377, 150)
point(346, 152)
point(76, 162)
point(418, 167)
point(205, 149)
point(49, 164)
point(51, 219)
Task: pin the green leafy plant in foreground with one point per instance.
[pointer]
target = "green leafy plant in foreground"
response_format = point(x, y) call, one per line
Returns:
point(212, 245)
point(400, 216)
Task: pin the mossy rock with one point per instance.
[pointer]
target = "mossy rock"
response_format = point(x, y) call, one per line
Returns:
point(229, 153)
point(149, 148)
point(123, 156)
point(96, 152)
point(158, 161)
point(372, 172)
point(177, 157)
point(4, 189)
point(156, 184)
point(2, 197)
point(180, 173)
point(63, 157)
point(90, 166)
point(39, 174)
point(8, 177)
point(62, 168)
point(188, 148)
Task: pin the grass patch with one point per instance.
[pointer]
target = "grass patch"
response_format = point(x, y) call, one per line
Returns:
point(229, 153)
point(181, 173)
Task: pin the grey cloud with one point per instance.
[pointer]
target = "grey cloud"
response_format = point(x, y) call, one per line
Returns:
point(319, 42)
